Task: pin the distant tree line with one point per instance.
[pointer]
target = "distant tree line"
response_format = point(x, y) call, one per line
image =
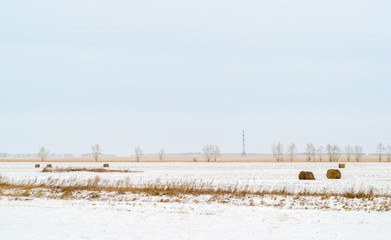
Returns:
point(31, 155)
point(212, 152)
point(330, 151)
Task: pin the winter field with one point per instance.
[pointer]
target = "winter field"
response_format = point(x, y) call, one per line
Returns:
point(187, 200)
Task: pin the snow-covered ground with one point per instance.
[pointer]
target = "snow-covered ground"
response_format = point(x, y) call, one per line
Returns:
point(76, 219)
point(145, 217)
point(266, 176)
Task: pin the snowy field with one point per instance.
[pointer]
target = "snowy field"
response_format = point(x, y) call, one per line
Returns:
point(54, 219)
point(146, 217)
point(267, 176)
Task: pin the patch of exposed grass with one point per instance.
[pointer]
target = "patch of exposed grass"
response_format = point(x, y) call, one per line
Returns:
point(97, 170)
point(174, 188)
point(100, 189)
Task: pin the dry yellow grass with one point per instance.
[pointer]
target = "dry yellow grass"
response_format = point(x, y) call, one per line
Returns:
point(84, 169)
point(174, 188)
point(190, 192)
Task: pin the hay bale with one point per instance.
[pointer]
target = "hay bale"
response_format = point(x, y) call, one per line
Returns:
point(49, 166)
point(106, 165)
point(333, 174)
point(306, 176)
point(341, 165)
point(37, 165)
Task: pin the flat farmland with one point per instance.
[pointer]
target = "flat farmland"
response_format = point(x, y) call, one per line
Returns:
point(268, 176)
point(317, 209)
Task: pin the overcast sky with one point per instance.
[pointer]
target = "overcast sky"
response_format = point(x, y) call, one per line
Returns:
point(181, 74)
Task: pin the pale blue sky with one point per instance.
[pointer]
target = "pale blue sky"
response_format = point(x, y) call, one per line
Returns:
point(179, 75)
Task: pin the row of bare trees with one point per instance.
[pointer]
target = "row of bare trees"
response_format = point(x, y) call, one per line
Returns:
point(332, 152)
point(209, 152)
point(97, 151)
point(138, 152)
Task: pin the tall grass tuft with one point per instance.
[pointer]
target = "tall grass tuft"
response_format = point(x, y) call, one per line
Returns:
point(172, 188)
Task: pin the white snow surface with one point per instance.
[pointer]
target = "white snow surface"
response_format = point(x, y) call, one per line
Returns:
point(78, 219)
point(44, 218)
point(266, 176)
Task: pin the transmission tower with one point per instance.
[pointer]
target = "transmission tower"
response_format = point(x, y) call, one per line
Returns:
point(243, 145)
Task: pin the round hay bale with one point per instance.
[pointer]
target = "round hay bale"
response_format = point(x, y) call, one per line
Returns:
point(306, 176)
point(333, 174)
point(49, 166)
point(106, 165)
point(37, 165)
point(341, 165)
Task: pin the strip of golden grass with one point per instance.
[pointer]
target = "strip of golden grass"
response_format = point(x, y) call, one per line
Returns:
point(175, 188)
point(84, 169)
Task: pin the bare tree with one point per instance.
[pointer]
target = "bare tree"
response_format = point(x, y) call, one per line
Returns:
point(320, 152)
point(313, 152)
point(292, 150)
point(96, 151)
point(337, 153)
point(348, 152)
point(43, 153)
point(358, 152)
point(138, 152)
point(388, 152)
point(380, 149)
point(329, 152)
point(333, 151)
point(310, 151)
point(278, 151)
point(208, 151)
point(216, 152)
point(161, 154)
